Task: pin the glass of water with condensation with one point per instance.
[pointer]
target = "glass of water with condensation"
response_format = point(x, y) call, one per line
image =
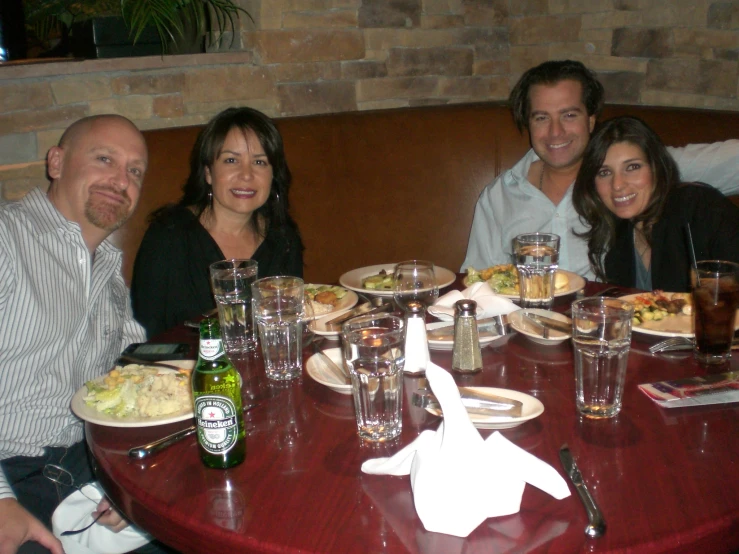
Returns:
point(601, 333)
point(537, 258)
point(231, 281)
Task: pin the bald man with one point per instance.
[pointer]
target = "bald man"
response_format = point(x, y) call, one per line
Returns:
point(65, 317)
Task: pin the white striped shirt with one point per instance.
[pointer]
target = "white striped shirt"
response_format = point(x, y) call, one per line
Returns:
point(63, 320)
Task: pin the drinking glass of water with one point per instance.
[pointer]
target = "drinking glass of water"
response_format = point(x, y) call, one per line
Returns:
point(231, 281)
point(415, 281)
point(279, 311)
point(601, 333)
point(537, 258)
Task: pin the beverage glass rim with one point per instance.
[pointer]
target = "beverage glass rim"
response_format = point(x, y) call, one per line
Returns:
point(537, 237)
point(602, 307)
point(282, 282)
point(233, 264)
point(362, 322)
point(427, 263)
point(733, 265)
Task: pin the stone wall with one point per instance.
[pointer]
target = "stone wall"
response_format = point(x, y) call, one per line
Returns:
point(302, 57)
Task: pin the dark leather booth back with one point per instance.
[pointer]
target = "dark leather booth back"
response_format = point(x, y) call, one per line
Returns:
point(384, 186)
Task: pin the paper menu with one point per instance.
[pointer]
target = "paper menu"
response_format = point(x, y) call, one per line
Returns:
point(721, 388)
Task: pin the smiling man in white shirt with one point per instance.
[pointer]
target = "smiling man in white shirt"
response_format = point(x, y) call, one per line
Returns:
point(65, 317)
point(558, 103)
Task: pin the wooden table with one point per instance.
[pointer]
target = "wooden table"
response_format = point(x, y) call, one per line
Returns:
point(666, 480)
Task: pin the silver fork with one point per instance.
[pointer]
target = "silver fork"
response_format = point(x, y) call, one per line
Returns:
point(672, 341)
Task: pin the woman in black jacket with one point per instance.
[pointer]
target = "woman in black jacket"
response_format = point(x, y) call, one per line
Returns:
point(628, 191)
point(234, 205)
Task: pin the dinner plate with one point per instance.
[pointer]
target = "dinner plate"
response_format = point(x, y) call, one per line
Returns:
point(89, 413)
point(530, 331)
point(531, 408)
point(447, 344)
point(349, 300)
point(575, 283)
point(679, 325)
point(317, 371)
point(353, 279)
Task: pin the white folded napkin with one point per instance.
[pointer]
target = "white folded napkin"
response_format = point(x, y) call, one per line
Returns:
point(458, 479)
point(416, 346)
point(489, 304)
point(75, 512)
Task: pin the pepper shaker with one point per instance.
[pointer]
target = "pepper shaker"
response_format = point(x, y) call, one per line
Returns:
point(467, 356)
point(416, 341)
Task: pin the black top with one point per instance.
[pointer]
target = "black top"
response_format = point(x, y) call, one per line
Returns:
point(171, 279)
point(714, 225)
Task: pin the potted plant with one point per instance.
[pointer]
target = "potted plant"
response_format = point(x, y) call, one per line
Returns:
point(171, 21)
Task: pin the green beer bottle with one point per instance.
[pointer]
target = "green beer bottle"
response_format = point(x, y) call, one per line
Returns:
point(216, 391)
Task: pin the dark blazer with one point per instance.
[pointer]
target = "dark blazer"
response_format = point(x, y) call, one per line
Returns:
point(714, 225)
point(171, 276)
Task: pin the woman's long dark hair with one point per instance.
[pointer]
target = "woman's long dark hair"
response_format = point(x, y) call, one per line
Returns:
point(196, 190)
point(587, 202)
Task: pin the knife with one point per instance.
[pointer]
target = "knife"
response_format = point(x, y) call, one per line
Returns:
point(539, 328)
point(364, 309)
point(483, 325)
point(490, 404)
point(596, 524)
point(552, 323)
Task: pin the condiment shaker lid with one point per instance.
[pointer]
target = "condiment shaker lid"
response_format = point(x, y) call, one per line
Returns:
point(465, 308)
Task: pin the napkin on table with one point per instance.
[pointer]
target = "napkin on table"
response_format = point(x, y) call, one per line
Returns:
point(75, 512)
point(489, 304)
point(457, 478)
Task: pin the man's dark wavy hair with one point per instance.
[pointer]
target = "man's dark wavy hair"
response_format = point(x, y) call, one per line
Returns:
point(551, 73)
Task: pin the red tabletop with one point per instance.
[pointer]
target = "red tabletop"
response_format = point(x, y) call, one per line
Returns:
point(665, 479)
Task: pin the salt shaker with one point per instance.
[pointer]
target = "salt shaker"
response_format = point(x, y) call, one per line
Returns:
point(466, 357)
point(416, 341)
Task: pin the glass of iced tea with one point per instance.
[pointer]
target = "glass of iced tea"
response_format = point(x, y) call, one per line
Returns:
point(537, 258)
point(715, 302)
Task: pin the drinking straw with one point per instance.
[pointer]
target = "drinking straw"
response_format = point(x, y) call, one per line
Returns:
point(691, 251)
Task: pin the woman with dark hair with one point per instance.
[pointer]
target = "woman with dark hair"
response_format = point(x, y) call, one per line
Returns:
point(234, 205)
point(628, 191)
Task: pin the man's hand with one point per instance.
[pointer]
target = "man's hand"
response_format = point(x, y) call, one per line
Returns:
point(18, 526)
point(112, 520)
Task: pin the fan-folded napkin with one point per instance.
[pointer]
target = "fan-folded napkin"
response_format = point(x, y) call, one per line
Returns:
point(489, 304)
point(75, 512)
point(458, 479)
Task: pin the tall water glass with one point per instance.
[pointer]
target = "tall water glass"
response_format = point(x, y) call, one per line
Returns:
point(279, 311)
point(373, 353)
point(415, 281)
point(715, 301)
point(537, 258)
point(601, 333)
point(231, 281)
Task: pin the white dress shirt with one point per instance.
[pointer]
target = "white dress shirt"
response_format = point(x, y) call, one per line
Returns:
point(511, 205)
point(64, 320)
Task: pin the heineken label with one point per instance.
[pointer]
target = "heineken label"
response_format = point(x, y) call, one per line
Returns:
point(210, 349)
point(218, 428)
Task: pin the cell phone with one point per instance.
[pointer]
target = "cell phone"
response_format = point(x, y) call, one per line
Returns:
point(154, 352)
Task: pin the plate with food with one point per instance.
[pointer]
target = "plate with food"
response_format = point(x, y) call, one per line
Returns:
point(663, 314)
point(329, 299)
point(137, 396)
point(531, 408)
point(378, 279)
point(503, 279)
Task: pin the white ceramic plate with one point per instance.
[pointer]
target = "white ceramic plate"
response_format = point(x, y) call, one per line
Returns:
point(679, 325)
point(349, 300)
point(486, 339)
point(320, 374)
point(532, 408)
point(530, 331)
point(575, 283)
point(353, 279)
point(89, 413)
